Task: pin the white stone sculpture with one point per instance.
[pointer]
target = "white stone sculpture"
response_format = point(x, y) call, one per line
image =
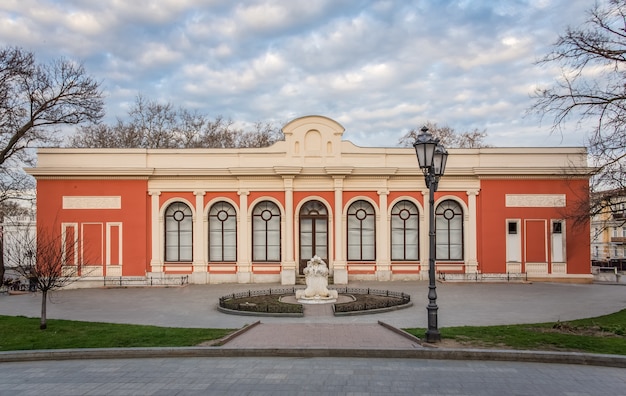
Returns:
point(316, 276)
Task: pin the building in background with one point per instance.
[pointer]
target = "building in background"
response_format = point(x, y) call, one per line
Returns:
point(17, 231)
point(258, 214)
point(608, 236)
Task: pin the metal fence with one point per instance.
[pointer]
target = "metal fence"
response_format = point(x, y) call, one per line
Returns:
point(229, 301)
point(396, 298)
point(145, 281)
point(479, 277)
point(618, 264)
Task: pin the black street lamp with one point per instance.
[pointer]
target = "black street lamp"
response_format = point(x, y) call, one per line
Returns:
point(432, 157)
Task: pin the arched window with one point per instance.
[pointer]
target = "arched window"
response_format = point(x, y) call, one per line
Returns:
point(449, 231)
point(313, 233)
point(404, 232)
point(178, 233)
point(361, 232)
point(222, 232)
point(266, 232)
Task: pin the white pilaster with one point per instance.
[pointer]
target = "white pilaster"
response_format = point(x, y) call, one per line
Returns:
point(199, 239)
point(340, 272)
point(244, 270)
point(471, 234)
point(157, 240)
point(383, 258)
point(288, 271)
point(424, 238)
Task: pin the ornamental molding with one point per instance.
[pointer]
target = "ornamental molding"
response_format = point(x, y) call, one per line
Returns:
point(535, 200)
point(99, 202)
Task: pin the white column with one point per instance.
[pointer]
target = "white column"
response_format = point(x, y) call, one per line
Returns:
point(288, 272)
point(424, 238)
point(157, 241)
point(471, 263)
point(383, 258)
point(199, 240)
point(244, 274)
point(339, 263)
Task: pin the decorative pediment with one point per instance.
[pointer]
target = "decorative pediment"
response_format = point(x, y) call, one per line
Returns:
point(314, 137)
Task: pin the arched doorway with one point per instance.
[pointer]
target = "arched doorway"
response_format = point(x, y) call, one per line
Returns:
point(313, 233)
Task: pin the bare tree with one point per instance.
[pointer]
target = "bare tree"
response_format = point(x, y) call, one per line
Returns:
point(46, 261)
point(36, 100)
point(591, 90)
point(264, 134)
point(152, 124)
point(447, 136)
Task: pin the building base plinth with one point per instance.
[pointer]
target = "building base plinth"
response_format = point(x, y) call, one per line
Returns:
point(340, 276)
point(288, 276)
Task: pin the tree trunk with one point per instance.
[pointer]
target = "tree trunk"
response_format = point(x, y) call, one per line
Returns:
point(1, 254)
point(43, 320)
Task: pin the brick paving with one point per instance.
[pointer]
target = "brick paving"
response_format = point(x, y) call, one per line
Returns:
point(459, 304)
point(308, 374)
point(321, 335)
point(305, 376)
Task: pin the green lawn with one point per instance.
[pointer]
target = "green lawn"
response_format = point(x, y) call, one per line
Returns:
point(603, 334)
point(21, 333)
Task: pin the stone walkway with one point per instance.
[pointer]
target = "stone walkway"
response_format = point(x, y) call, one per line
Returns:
point(319, 353)
point(459, 305)
point(322, 335)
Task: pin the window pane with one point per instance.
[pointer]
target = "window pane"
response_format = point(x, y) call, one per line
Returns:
point(258, 253)
point(456, 252)
point(273, 253)
point(171, 253)
point(368, 252)
point(306, 252)
point(186, 226)
point(354, 252)
point(320, 225)
point(215, 237)
point(186, 254)
point(259, 238)
point(397, 252)
point(456, 236)
point(442, 252)
point(412, 222)
point(306, 225)
point(441, 237)
point(411, 252)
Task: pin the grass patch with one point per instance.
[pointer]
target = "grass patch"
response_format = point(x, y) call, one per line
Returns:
point(602, 334)
point(21, 333)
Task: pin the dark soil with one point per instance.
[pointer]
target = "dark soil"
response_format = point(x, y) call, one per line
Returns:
point(270, 303)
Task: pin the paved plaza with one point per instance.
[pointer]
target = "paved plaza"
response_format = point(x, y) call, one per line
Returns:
point(471, 304)
point(305, 376)
point(317, 353)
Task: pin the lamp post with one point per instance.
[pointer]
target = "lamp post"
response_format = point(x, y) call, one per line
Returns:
point(432, 157)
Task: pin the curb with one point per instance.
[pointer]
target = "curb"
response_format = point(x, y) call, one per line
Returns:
point(421, 353)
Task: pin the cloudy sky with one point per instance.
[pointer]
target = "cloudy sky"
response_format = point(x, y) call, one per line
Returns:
point(379, 68)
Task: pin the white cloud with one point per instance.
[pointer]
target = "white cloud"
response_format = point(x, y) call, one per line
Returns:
point(378, 67)
point(156, 54)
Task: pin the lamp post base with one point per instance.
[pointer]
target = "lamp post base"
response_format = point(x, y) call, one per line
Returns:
point(432, 336)
point(432, 333)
